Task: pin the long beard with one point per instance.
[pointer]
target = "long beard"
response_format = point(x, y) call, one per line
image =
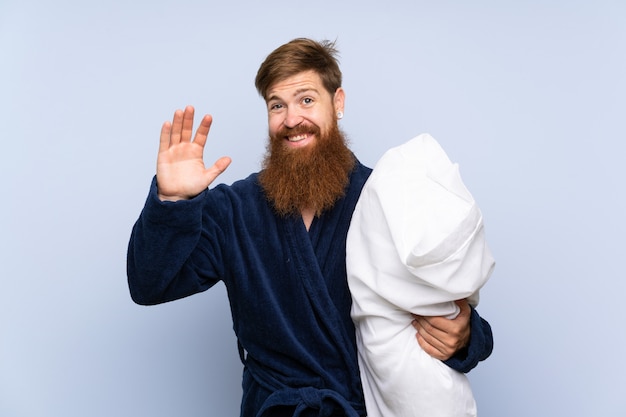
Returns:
point(313, 177)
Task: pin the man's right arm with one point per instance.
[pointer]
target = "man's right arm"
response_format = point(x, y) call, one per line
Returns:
point(161, 243)
point(171, 222)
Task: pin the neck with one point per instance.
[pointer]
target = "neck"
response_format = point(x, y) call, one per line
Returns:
point(307, 217)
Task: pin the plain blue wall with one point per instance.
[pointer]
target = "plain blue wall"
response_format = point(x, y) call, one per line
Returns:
point(528, 97)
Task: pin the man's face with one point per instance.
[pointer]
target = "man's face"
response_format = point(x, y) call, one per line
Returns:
point(300, 109)
point(307, 164)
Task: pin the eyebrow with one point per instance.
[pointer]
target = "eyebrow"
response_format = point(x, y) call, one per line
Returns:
point(305, 90)
point(296, 93)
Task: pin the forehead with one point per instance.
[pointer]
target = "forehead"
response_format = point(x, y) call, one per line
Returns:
point(290, 86)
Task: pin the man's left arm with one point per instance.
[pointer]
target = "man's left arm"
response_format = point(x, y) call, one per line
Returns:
point(461, 342)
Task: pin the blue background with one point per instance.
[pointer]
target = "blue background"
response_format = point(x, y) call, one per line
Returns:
point(528, 97)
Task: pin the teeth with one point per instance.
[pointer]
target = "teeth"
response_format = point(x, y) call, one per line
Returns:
point(297, 138)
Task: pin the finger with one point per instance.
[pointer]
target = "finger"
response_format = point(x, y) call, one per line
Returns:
point(177, 126)
point(166, 131)
point(187, 127)
point(222, 163)
point(429, 348)
point(432, 324)
point(432, 336)
point(203, 130)
point(218, 167)
point(464, 306)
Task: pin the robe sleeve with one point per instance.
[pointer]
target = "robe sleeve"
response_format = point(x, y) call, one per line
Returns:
point(159, 264)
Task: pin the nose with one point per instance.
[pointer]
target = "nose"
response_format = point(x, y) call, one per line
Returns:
point(292, 118)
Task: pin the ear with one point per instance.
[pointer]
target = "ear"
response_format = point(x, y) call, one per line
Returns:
point(339, 99)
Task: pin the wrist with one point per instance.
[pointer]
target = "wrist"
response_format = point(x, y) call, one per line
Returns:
point(171, 198)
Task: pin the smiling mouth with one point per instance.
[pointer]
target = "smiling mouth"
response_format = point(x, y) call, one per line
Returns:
point(297, 138)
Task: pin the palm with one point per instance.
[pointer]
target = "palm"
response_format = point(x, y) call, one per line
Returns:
point(181, 173)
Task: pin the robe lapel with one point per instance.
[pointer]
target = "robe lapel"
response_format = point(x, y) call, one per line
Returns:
point(315, 281)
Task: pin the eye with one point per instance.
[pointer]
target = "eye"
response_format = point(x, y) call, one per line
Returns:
point(307, 101)
point(275, 106)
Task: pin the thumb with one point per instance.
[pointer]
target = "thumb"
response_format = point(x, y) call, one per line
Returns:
point(222, 163)
point(464, 306)
point(218, 167)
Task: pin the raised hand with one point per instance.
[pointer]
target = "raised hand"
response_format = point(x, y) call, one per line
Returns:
point(181, 173)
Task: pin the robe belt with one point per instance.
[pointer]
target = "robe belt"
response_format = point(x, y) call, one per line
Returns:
point(308, 398)
point(326, 401)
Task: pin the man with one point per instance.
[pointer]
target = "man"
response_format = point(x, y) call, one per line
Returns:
point(277, 241)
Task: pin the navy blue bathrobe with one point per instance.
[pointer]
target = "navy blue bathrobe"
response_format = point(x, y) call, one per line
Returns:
point(287, 289)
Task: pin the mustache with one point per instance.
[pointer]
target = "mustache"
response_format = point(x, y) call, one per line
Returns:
point(298, 130)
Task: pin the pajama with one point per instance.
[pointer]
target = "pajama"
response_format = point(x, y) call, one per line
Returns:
point(416, 244)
